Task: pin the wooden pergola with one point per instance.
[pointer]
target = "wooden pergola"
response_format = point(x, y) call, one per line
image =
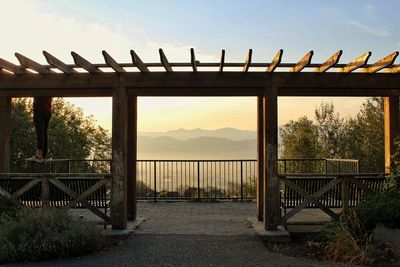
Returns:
point(267, 81)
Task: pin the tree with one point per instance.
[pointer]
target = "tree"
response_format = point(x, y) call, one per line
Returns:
point(299, 139)
point(71, 135)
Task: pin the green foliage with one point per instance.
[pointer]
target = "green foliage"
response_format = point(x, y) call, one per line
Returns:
point(347, 240)
point(46, 233)
point(71, 135)
point(7, 206)
point(383, 208)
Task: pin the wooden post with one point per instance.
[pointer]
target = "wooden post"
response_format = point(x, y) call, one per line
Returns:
point(260, 158)
point(5, 133)
point(119, 159)
point(45, 192)
point(271, 182)
point(132, 157)
point(392, 128)
point(345, 194)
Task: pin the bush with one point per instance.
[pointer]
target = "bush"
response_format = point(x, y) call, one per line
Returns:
point(383, 208)
point(7, 206)
point(45, 233)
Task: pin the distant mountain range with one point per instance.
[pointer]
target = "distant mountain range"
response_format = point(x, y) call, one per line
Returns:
point(225, 143)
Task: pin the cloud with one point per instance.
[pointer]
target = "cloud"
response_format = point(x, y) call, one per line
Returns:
point(364, 28)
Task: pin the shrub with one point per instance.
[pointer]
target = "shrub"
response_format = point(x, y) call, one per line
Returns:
point(383, 208)
point(7, 206)
point(45, 233)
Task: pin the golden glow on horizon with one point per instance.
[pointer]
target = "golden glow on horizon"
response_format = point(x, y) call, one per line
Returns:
point(169, 113)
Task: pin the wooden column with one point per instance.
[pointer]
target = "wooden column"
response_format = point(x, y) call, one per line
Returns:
point(5, 133)
point(392, 128)
point(132, 157)
point(260, 158)
point(119, 159)
point(271, 183)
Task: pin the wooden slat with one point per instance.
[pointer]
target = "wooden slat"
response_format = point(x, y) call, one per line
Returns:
point(164, 61)
point(330, 62)
point(394, 69)
point(73, 194)
point(29, 63)
point(276, 61)
point(248, 61)
point(25, 188)
point(306, 60)
point(138, 62)
point(193, 60)
point(83, 63)
point(87, 193)
point(222, 62)
point(55, 62)
point(356, 63)
point(112, 63)
point(4, 64)
point(383, 63)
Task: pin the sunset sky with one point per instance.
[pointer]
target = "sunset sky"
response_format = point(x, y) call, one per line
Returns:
point(88, 27)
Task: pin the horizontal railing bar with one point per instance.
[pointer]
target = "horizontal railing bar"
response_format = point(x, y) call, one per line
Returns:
point(305, 175)
point(55, 175)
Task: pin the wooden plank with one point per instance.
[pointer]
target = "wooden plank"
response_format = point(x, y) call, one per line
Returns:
point(112, 63)
point(132, 158)
point(392, 129)
point(271, 204)
point(306, 60)
point(164, 61)
point(193, 60)
point(356, 63)
point(345, 194)
point(4, 64)
point(260, 158)
point(33, 65)
point(222, 62)
point(25, 188)
point(85, 203)
point(84, 64)
point(394, 69)
point(276, 61)
point(248, 61)
point(45, 195)
point(138, 62)
point(119, 158)
point(383, 63)
point(330, 62)
point(55, 62)
point(5, 133)
point(87, 193)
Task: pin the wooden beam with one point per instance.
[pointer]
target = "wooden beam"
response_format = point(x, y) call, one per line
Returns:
point(193, 60)
point(138, 62)
point(383, 63)
point(87, 193)
point(392, 129)
point(356, 63)
point(333, 60)
point(306, 60)
point(119, 159)
point(4, 64)
point(394, 69)
point(248, 61)
point(84, 64)
point(164, 61)
point(33, 65)
point(5, 133)
point(55, 62)
point(271, 204)
point(132, 157)
point(276, 61)
point(222, 62)
point(260, 158)
point(112, 63)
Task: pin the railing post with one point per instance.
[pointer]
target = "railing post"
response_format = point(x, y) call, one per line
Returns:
point(155, 181)
point(198, 180)
point(241, 181)
point(345, 194)
point(45, 192)
point(326, 166)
